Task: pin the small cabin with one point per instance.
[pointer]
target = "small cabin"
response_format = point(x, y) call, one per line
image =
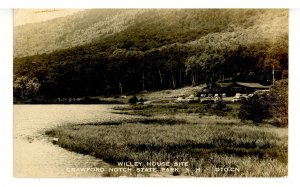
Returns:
point(246, 87)
point(231, 88)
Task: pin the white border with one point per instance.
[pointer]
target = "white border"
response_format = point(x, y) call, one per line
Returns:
point(6, 140)
point(6, 132)
point(150, 3)
point(294, 93)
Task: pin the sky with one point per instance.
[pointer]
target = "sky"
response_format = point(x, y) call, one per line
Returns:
point(25, 16)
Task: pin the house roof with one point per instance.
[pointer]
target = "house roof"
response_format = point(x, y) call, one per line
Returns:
point(252, 85)
point(224, 84)
point(245, 84)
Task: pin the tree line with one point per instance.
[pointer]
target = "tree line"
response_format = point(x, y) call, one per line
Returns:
point(82, 72)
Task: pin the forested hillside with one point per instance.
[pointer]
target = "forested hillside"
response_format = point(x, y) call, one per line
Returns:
point(106, 52)
point(70, 31)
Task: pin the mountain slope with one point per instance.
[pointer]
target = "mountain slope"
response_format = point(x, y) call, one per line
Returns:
point(128, 27)
point(70, 31)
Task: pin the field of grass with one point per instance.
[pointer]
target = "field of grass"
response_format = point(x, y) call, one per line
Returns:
point(181, 132)
point(164, 96)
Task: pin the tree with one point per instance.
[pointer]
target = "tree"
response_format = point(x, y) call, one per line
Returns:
point(133, 100)
point(279, 102)
point(256, 108)
point(26, 88)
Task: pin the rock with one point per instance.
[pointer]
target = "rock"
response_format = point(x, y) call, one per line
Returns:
point(30, 140)
point(54, 140)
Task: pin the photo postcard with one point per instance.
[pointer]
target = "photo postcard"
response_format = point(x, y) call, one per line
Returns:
point(150, 93)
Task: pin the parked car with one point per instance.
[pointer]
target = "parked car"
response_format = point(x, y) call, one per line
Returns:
point(217, 99)
point(202, 95)
point(259, 92)
point(206, 100)
point(239, 97)
point(250, 95)
point(192, 99)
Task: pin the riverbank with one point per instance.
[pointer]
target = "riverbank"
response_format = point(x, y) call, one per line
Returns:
point(204, 137)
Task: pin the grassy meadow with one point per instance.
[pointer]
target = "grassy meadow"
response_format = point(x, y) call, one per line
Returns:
point(183, 132)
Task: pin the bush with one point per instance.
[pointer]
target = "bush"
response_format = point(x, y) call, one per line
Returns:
point(220, 108)
point(279, 103)
point(207, 106)
point(133, 100)
point(220, 105)
point(256, 108)
point(142, 100)
point(25, 88)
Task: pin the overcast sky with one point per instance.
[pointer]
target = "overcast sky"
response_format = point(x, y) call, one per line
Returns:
point(25, 16)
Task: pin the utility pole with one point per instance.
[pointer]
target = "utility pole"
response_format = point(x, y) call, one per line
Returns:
point(143, 78)
point(273, 74)
point(121, 88)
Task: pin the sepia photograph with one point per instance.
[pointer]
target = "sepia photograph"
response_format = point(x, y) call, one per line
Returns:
point(150, 93)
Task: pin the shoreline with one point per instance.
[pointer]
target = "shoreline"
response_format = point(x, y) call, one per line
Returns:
point(160, 136)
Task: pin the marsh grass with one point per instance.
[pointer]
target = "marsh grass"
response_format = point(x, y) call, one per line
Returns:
point(171, 134)
point(231, 110)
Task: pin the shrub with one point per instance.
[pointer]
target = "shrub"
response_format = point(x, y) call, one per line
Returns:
point(279, 103)
point(256, 108)
point(142, 100)
point(133, 100)
point(207, 106)
point(26, 88)
point(220, 108)
point(220, 105)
